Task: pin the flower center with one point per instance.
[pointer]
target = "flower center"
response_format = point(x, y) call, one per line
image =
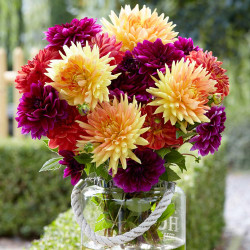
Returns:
point(37, 103)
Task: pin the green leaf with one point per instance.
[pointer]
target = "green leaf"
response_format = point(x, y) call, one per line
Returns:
point(103, 172)
point(89, 168)
point(83, 158)
point(138, 205)
point(169, 175)
point(162, 152)
point(176, 158)
point(51, 164)
point(173, 157)
point(102, 223)
point(167, 213)
point(46, 141)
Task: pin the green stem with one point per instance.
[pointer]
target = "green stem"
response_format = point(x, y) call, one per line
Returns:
point(114, 222)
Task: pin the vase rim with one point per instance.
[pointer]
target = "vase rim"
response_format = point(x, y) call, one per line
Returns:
point(100, 182)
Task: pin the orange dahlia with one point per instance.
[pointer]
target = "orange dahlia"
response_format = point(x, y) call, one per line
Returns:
point(182, 94)
point(160, 134)
point(115, 130)
point(210, 63)
point(81, 76)
point(133, 26)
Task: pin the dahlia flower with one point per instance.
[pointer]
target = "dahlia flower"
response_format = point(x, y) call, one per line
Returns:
point(181, 95)
point(138, 66)
point(155, 55)
point(115, 130)
point(39, 109)
point(77, 31)
point(133, 26)
point(81, 76)
point(35, 69)
point(129, 81)
point(159, 135)
point(209, 134)
point(66, 132)
point(186, 45)
point(210, 63)
point(140, 177)
point(73, 168)
point(108, 45)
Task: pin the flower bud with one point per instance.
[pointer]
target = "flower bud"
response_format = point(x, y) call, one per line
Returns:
point(83, 109)
point(88, 147)
point(217, 98)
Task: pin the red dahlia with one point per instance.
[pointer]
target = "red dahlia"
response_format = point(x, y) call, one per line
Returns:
point(66, 132)
point(159, 135)
point(209, 62)
point(35, 69)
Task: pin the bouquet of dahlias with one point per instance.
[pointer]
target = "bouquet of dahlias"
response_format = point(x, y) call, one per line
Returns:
point(118, 100)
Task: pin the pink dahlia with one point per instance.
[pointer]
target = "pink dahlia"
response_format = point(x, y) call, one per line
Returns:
point(186, 45)
point(107, 45)
point(77, 31)
point(35, 69)
point(140, 177)
point(39, 110)
point(138, 66)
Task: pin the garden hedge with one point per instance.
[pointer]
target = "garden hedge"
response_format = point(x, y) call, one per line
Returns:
point(29, 199)
point(204, 185)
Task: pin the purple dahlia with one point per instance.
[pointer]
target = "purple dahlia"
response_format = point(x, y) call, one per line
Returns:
point(186, 45)
point(39, 109)
point(73, 168)
point(140, 177)
point(77, 31)
point(138, 66)
point(209, 133)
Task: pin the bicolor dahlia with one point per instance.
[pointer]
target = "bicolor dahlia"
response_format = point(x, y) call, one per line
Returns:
point(66, 132)
point(209, 134)
point(82, 76)
point(35, 70)
point(115, 130)
point(140, 177)
point(73, 168)
point(133, 26)
point(77, 31)
point(39, 109)
point(210, 63)
point(186, 45)
point(182, 94)
point(160, 134)
point(108, 45)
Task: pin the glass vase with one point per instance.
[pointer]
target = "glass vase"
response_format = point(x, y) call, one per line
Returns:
point(110, 212)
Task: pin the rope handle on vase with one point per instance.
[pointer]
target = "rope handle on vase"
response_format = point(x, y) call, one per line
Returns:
point(77, 207)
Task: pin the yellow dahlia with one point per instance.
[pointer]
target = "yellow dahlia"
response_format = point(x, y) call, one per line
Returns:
point(181, 95)
point(81, 76)
point(133, 26)
point(114, 129)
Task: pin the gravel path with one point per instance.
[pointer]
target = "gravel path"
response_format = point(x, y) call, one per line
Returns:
point(237, 210)
point(13, 244)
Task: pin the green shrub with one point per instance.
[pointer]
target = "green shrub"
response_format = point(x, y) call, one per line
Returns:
point(204, 185)
point(29, 199)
